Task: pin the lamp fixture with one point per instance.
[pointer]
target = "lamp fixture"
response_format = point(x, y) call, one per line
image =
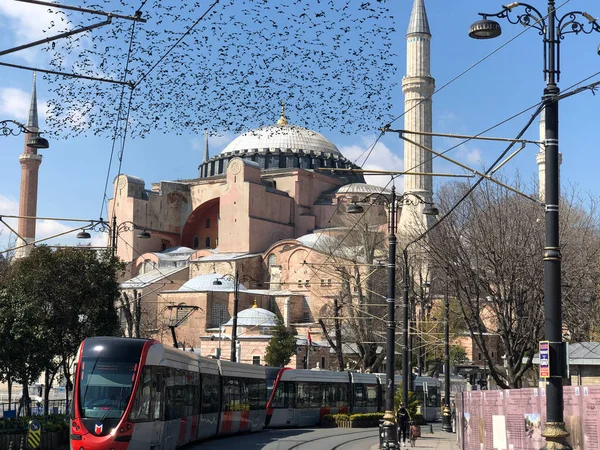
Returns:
point(144, 235)
point(485, 29)
point(355, 209)
point(84, 235)
point(37, 142)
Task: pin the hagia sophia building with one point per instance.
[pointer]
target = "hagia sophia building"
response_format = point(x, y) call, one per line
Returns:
point(261, 209)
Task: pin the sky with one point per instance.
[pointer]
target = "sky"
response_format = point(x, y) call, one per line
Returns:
point(74, 170)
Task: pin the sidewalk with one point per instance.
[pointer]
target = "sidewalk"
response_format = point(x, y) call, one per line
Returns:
point(439, 440)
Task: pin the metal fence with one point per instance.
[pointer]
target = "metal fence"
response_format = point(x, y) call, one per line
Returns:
point(10, 410)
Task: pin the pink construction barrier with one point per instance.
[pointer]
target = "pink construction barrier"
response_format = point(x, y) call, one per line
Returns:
point(513, 419)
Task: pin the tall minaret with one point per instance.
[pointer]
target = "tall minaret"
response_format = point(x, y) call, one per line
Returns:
point(30, 163)
point(206, 155)
point(417, 85)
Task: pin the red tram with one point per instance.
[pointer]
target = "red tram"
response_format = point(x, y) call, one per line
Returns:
point(137, 394)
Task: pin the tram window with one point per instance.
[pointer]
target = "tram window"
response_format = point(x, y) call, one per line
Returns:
point(371, 395)
point(157, 392)
point(176, 404)
point(283, 394)
point(210, 393)
point(360, 395)
point(245, 386)
point(231, 394)
point(141, 410)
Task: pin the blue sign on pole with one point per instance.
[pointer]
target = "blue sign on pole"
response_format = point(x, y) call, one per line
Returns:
point(544, 359)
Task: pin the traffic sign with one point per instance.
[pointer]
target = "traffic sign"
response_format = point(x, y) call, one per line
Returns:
point(34, 435)
point(544, 359)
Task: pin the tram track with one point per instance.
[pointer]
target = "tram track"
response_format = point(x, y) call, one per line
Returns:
point(338, 446)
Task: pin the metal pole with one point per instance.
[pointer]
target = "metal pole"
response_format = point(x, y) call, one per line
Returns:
point(114, 235)
point(388, 428)
point(405, 374)
point(236, 299)
point(554, 430)
point(446, 413)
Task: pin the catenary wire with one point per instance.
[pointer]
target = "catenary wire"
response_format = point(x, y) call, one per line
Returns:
point(119, 111)
point(143, 77)
point(474, 65)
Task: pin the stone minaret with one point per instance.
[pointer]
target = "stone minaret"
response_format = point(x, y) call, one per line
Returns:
point(206, 155)
point(30, 164)
point(417, 85)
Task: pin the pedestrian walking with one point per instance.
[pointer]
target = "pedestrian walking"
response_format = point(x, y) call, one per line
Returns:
point(403, 418)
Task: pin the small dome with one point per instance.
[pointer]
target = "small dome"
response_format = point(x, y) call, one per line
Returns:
point(204, 283)
point(253, 317)
point(361, 188)
point(282, 136)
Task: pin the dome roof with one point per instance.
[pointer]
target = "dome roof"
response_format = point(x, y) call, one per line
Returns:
point(282, 136)
point(253, 317)
point(203, 283)
point(361, 188)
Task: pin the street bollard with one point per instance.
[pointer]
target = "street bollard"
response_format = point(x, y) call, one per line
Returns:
point(21, 446)
point(430, 428)
point(10, 445)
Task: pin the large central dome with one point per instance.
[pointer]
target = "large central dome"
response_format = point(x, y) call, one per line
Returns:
point(284, 137)
point(282, 147)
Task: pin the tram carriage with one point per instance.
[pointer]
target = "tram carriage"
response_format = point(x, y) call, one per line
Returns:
point(300, 398)
point(137, 394)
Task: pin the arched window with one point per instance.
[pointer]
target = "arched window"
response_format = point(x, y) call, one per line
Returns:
point(207, 223)
point(207, 242)
point(272, 261)
point(196, 242)
point(148, 266)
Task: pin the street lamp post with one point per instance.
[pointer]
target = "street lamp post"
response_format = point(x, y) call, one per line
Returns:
point(388, 428)
point(553, 29)
point(446, 413)
point(236, 300)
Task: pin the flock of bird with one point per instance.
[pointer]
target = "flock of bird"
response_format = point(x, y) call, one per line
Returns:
point(331, 62)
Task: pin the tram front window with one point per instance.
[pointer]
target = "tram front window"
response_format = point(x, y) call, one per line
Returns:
point(105, 387)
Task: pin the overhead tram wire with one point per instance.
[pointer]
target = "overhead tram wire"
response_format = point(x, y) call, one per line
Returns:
point(443, 87)
point(119, 110)
point(537, 105)
point(143, 77)
point(472, 66)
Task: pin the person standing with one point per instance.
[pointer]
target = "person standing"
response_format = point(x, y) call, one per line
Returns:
point(403, 418)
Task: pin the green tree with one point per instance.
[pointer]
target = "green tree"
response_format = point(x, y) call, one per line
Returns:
point(52, 300)
point(281, 347)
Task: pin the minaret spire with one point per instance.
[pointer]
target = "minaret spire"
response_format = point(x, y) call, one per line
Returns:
point(206, 155)
point(418, 19)
point(32, 120)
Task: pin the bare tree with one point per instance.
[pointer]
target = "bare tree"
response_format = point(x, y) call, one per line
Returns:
point(358, 300)
point(492, 245)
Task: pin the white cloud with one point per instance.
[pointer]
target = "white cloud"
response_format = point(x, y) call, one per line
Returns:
point(9, 207)
point(380, 158)
point(27, 22)
point(14, 104)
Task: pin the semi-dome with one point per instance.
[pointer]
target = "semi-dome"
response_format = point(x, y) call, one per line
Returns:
point(284, 137)
point(253, 317)
point(206, 282)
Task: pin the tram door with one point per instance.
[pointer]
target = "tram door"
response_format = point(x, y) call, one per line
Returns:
point(289, 401)
point(157, 404)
